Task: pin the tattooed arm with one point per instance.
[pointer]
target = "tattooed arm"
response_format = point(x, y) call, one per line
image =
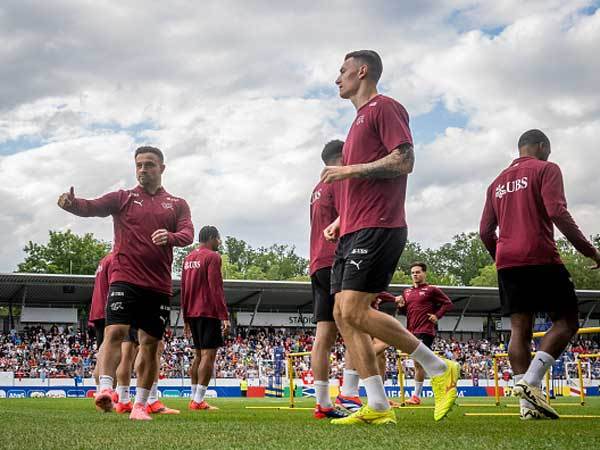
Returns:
point(399, 162)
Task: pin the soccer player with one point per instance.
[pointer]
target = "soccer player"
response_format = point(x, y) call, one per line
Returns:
point(524, 202)
point(323, 211)
point(204, 310)
point(423, 305)
point(148, 223)
point(98, 306)
point(377, 158)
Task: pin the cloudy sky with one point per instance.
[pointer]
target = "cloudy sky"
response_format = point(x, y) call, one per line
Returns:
point(241, 97)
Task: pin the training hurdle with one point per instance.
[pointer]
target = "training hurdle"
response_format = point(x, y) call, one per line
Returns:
point(537, 334)
point(580, 374)
point(290, 369)
point(401, 384)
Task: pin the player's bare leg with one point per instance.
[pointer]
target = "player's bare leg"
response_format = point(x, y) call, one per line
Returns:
point(324, 340)
point(129, 352)
point(154, 405)
point(108, 362)
point(206, 366)
point(361, 322)
point(194, 375)
point(564, 327)
point(146, 370)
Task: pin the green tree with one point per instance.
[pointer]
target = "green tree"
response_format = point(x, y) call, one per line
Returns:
point(462, 258)
point(488, 276)
point(578, 265)
point(242, 262)
point(65, 252)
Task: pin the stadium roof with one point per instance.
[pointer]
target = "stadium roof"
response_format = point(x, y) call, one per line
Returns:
point(46, 290)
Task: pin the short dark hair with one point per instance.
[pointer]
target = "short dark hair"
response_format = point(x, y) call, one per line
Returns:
point(208, 232)
point(532, 137)
point(148, 149)
point(420, 264)
point(371, 59)
point(332, 150)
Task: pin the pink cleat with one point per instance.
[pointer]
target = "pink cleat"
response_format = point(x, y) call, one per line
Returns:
point(413, 400)
point(139, 412)
point(123, 408)
point(158, 408)
point(103, 400)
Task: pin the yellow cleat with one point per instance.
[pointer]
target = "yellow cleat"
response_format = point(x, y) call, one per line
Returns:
point(444, 390)
point(367, 416)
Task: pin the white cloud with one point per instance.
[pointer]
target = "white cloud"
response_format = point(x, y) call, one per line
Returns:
point(241, 98)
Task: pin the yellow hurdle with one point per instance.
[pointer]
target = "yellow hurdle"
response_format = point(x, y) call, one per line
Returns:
point(580, 374)
point(290, 366)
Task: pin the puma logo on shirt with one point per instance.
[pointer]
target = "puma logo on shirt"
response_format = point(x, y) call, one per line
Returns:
point(139, 202)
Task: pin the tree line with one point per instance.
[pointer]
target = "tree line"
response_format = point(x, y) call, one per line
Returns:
point(463, 261)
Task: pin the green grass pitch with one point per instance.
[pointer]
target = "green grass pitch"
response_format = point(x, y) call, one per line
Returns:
point(74, 423)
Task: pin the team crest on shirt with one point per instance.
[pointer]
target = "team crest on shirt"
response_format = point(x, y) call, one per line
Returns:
point(167, 205)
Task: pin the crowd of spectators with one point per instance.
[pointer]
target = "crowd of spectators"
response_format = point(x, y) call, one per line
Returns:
point(66, 352)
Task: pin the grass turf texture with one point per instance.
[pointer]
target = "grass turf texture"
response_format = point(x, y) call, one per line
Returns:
point(74, 423)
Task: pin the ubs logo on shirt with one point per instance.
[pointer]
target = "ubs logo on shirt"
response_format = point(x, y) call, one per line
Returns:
point(167, 205)
point(360, 119)
point(511, 186)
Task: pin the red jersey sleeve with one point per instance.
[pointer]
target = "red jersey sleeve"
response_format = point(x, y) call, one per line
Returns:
point(553, 196)
point(100, 207)
point(443, 301)
point(183, 294)
point(215, 280)
point(184, 234)
point(392, 125)
point(488, 225)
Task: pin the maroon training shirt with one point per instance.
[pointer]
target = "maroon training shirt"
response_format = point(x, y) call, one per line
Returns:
point(380, 127)
point(421, 301)
point(100, 294)
point(524, 201)
point(136, 215)
point(323, 212)
point(202, 292)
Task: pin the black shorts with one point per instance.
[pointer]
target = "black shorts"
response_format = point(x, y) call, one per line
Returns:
point(323, 300)
point(99, 326)
point(132, 336)
point(141, 308)
point(206, 332)
point(365, 260)
point(536, 289)
point(426, 339)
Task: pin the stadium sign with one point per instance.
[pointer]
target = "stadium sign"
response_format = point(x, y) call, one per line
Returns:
point(275, 320)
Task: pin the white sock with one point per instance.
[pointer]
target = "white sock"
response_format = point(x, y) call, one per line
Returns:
point(194, 387)
point(123, 392)
point(350, 383)
point(523, 402)
point(322, 394)
point(418, 388)
point(153, 397)
point(433, 364)
point(538, 367)
point(141, 395)
point(376, 397)
point(106, 382)
point(200, 391)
